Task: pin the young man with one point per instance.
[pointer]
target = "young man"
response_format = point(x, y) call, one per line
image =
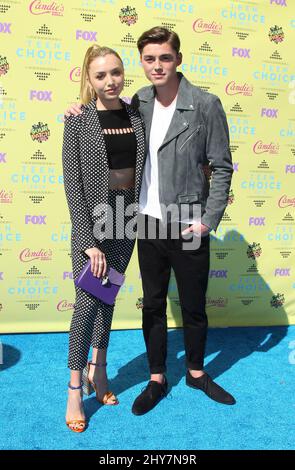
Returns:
point(186, 130)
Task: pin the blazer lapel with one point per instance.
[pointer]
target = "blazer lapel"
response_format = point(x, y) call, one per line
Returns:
point(94, 127)
point(97, 162)
point(178, 125)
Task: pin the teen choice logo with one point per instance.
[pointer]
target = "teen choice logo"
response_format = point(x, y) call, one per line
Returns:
point(231, 197)
point(277, 300)
point(207, 172)
point(276, 34)
point(139, 303)
point(40, 132)
point(254, 250)
point(4, 66)
point(128, 15)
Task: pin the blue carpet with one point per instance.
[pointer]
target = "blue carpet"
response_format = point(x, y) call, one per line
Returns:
point(255, 364)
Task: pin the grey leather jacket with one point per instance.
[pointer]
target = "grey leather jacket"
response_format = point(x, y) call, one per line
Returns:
point(197, 137)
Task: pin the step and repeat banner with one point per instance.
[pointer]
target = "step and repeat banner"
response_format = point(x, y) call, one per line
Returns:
point(243, 52)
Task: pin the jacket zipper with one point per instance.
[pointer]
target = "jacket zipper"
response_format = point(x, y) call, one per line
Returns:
point(195, 132)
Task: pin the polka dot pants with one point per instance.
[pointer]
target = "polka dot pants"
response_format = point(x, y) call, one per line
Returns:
point(92, 318)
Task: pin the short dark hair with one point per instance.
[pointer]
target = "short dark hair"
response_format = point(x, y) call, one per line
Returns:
point(158, 35)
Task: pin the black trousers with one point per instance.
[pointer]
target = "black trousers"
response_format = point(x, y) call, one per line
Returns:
point(191, 267)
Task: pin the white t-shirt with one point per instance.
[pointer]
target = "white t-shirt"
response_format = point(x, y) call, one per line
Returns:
point(149, 202)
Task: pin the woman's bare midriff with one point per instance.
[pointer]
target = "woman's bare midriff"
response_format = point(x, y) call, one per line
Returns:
point(122, 179)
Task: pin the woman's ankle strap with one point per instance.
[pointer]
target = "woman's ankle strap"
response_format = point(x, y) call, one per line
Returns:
point(98, 364)
point(74, 388)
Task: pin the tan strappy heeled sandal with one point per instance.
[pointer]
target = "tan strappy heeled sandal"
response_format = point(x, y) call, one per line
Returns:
point(89, 386)
point(76, 425)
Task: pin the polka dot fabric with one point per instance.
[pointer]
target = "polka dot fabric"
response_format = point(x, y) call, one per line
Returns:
point(86, 170)
point(86, 177)
point(92, 318)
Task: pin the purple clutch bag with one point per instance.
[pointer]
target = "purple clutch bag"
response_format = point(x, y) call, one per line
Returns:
point(104, 288)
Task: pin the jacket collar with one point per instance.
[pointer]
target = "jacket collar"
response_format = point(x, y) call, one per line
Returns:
point(184, 96)
point(91, 104)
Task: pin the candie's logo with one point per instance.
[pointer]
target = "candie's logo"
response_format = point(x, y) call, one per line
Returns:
point(40, 132)
point(261, 147)
point(286, 201)
point(276, 34)
point(139, 303)
point(254, 250)
point(4, 66)
point(231, 197)
point(75, 74)
point(220, 302)
point(203, 26)
point(39, 7)
point(64, 305)
point(5, 196)
point(27, 255)
point(233, 88)
point(277, 300)
point(128, 15)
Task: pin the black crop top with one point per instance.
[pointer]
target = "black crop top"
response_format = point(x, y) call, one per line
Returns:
point(119, 138)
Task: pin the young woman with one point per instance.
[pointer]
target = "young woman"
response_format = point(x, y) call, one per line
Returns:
point(103, 158)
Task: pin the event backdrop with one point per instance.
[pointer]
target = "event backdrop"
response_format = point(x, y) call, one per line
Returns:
point(242, 51)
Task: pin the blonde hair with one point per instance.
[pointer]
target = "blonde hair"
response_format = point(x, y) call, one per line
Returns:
point(86, 91)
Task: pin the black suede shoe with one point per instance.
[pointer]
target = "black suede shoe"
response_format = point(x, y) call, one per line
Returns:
point(212, 389)
point(150, 397)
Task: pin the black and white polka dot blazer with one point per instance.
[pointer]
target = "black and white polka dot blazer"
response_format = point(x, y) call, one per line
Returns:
point(86, 170)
